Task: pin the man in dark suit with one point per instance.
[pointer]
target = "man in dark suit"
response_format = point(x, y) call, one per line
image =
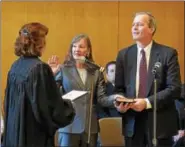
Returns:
point(134, 79)
point(103, 112)
point(110, 70)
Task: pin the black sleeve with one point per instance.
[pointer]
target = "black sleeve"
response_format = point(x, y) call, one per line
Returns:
point(49, 109)
point(183, 92)
point(105, 101)
point(172, 82)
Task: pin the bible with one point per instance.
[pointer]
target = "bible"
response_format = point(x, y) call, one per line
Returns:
point(124, 100)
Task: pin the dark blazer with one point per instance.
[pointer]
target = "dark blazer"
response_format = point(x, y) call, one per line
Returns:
point(168, 89)
point(69, 79)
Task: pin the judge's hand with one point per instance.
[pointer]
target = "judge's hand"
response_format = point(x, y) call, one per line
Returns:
point(181, 133)
point(54, 63)
point(139, 105)
point(121, 107)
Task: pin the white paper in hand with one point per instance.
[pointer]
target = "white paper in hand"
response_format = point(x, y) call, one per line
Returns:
point(74, 94)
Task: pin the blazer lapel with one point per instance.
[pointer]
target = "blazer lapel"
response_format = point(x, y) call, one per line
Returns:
point(75, 76)
point(154, 57)
point(133, 60)
point(89, 80)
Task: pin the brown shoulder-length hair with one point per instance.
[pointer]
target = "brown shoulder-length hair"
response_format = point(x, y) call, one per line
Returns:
point(31, 39)
point(69, 60)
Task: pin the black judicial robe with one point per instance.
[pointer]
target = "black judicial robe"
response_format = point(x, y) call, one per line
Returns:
point(34, 109)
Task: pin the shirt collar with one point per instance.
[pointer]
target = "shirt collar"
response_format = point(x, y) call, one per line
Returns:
point(147, 48)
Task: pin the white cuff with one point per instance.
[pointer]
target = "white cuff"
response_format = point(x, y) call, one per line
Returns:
point(148, 104)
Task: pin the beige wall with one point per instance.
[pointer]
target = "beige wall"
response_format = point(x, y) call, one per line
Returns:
point(107, 23)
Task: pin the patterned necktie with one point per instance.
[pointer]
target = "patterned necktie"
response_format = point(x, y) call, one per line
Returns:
point(142, 76)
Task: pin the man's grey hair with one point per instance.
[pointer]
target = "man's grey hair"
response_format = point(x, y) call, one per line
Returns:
point(152, 20)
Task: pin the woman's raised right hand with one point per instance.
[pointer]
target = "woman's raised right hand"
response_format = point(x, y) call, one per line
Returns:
point(53, 62)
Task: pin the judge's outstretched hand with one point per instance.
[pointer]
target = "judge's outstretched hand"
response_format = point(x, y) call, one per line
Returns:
point(54, 64)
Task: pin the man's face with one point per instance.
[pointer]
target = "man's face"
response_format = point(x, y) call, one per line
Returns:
point(140, 28)
point(111, 73)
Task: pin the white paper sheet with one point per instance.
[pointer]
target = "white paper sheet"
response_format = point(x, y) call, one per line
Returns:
point(74, 94)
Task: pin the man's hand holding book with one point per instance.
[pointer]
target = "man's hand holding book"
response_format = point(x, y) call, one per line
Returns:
point(123, 104)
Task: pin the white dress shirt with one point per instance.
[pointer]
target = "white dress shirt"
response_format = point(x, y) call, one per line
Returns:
point(2, 124)
point(147, 50)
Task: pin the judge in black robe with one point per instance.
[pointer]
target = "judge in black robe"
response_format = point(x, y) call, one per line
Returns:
point(34, 109)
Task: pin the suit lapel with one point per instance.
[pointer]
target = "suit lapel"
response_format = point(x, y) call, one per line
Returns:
point(133, 60)
point(154, 55)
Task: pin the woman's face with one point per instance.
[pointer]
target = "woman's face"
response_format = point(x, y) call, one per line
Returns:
point(80, 49)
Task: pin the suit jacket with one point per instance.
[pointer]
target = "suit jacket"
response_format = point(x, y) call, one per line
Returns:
point(69, 78)
point(168, 89)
